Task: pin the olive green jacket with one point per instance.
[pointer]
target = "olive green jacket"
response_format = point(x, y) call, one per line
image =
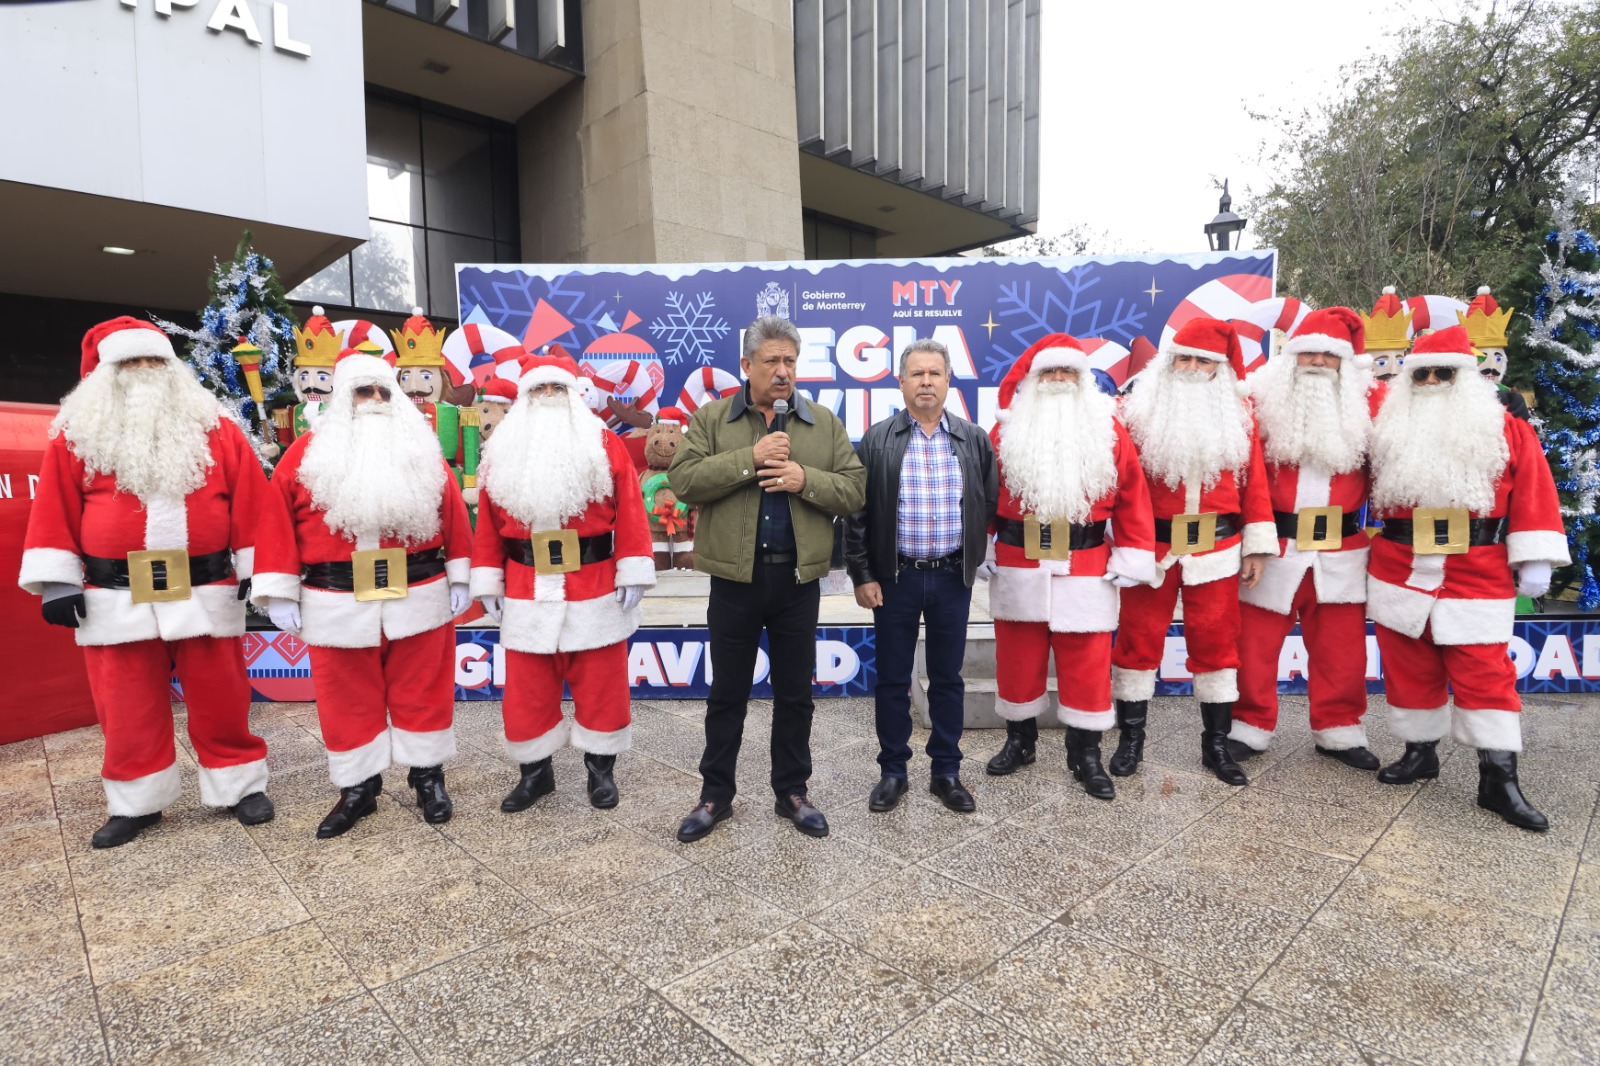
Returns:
point(715, 470)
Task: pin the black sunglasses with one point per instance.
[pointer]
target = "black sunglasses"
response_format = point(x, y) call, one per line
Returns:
point(1443, 373)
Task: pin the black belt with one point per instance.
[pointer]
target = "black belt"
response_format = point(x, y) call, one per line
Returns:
point(1480, 531)
point(595, 549)
point(1227, 526)
point(1289, 525)
point(953, 559)
point(776, 558)
point(113, 573)
point(340, 577)
point(1079, 535)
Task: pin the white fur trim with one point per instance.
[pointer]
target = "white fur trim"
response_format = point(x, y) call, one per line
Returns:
point(422, 749)
point(1059, 359)
point(1317, 342)
point(274, 586)
point(362, 369)
point(1341, 576)
point(1259, 538)
point(1137, 563)
point(346, 768)
point(1253, 737)
point(1459, 360)
point(127, 344)
point(1473, 621)
point(166, 524)
point(1342, 737)
point(458, 571)
point(1083, 605)
point(1021, 712)
point(1279, 582)
point(1211, 566)
point(244, 563)
point(338, 620)
point(1019, 594)
point(1427, 573)
point(596, 743)
point(636, 571)
point(111, 616)
point(546, 627)
point(487, 581)
point(1217, 686)
point(1417, 725)
point(1074, 718)
point(42, 565)
point(1132, 685)
point(540, 747)
point(1537, 545)
point(1398, 608)
point(143, 795)
point(1175, 350)
point(223, 786)
point(545, 375)
point(1487, 730)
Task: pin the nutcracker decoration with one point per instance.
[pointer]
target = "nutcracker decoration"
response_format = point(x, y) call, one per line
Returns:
point(1388, 333)
point(424, 377)
point(316, 348)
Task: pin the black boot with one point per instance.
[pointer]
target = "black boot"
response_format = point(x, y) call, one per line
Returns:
point(602, 786)
point(1131, 716)
point(1018, 749)
point(355, 803)
point(1083, 759)
point(1419, 761)
point(253, 809)
point(538, 779)
point(1240, 750)
point(1217, 719)
point(1498, 791)
point(121, 828)
point(432, 800)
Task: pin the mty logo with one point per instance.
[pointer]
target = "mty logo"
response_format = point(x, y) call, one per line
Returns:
point(908, 292)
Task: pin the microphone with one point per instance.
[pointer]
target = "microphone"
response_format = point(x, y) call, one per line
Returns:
point(780, 415)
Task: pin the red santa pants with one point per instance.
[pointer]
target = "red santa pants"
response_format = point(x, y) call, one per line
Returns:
point(602, 714)
point(1420, 676)
point(1210, 629)
point(1083, 673)
point(1336, 646)
point(131, 685)
point(359, 690)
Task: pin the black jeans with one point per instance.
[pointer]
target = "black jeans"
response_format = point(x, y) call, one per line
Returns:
point(942, 598)
point(736, 614)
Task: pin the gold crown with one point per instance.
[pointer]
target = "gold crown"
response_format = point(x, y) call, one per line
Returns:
point(1388, 325)
point(1485, 322)
point(318, 348)
point(417, 343)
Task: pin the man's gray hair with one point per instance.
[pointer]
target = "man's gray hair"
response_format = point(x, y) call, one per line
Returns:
point(770, 328)
point(924, 344)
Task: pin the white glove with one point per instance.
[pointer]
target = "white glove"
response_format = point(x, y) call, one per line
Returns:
point(493, 606)
point(988, 568)
point(629, 596)
point(1533, 579)
point(285, 614)
point(1120, 581)
point(460, 597)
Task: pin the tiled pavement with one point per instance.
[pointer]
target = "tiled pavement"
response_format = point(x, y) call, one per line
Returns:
point(1314, 917)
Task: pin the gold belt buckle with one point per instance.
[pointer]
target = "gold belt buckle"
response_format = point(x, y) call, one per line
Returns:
point(1319, 529)
point(1193, 533)
point(159, 576)
point(380, 574)
point(555, 551)
point(1428, 523)
point(1040, 541)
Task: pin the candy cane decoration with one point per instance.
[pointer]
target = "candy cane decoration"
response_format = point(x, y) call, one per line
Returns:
point(620, 377)
point(704, 385)
point(1429, 313)
point(356, 330)
point(475, 353)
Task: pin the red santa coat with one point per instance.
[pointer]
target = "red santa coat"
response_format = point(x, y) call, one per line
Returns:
point(1471, 598)
point(294, 534)
point(1250, 500)
point(73, 516)
point(549, 613)
point(1072, 595)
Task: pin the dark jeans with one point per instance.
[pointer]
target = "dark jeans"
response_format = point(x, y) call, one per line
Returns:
point(736, 614)
point(942, 599)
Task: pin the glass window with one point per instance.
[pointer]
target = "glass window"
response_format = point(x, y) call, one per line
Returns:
point(459, 185)
point(445, 250)
point(389, 271)
point(330, 285)
point(394, 162)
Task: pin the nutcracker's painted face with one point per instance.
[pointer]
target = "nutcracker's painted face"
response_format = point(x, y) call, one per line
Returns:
point(1386, 365)
point(489, 415)
point(313, 384)
point(1493, 364)
point(422, 384)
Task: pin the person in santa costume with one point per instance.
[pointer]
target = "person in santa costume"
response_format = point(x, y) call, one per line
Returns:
point(1470, 520)
point(1314, 406)
point(365, 553)
point(1213, 528)
point(1073, 526)
point(561, 559)
point(141, 538)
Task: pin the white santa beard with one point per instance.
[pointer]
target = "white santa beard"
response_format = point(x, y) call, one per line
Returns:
point(1312, 419)
point(1439, 446)
point(148, 427)
point(1189, 430)
point(376, 472)
point(1058, 450)
point(547, 462)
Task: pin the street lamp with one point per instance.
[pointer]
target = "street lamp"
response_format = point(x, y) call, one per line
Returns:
point(1226, 225)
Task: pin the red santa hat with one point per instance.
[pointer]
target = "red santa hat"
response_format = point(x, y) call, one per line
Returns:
point(499, 390)
point(1209, 338)
point(556, 368)
point(1443, 347)
point(1332, 330)
point(673, 416)
point(1050, 352)
point(121, 339)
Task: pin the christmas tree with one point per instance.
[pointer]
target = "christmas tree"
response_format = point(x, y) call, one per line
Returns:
point(244, 348)
point(1564, 326)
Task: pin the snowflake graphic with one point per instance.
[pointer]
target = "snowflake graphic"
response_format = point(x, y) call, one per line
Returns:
point(690, 329)
point(1071, 309)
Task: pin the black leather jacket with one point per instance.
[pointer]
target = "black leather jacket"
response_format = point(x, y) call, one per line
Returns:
point(869, 534)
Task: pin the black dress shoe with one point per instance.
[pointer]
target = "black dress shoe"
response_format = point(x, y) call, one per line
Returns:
point(1499, 791)
point(1242, 751)
point(538, 779)
point(1131, 718)
point(603, 793)
point(1083, 760)
point(1421, 760)
point(1015, 754)
point(886, 793)
point(253, 809)
point(121, 828)
point(701, 821)
point(1217, 720)
point(803, 814)
point(355, 803)
point(953, 794)
point(1358, 758)
point(432, 800)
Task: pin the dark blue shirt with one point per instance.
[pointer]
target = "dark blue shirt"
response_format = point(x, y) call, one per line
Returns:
point(776, 532)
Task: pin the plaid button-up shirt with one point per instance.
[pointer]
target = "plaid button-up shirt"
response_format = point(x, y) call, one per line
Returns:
point(928, 525)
